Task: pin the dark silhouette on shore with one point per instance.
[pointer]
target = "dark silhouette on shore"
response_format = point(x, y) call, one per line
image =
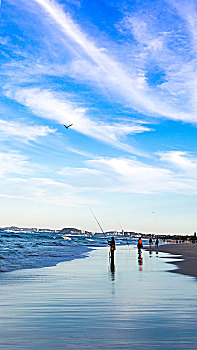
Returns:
point(150, 242)
point(156, 243)
point(112, 246)
point(139, 244)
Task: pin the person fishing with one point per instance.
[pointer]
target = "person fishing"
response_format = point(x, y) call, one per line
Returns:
point(139, 244)
point(112, 245)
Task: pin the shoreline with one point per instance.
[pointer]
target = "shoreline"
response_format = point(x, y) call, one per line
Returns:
point(185, 257)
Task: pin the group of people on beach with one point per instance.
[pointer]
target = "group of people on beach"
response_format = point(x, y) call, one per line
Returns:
point(112, 246)
point(140, 245)
point(151, 242)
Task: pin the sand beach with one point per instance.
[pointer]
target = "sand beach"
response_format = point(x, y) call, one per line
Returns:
point(185, 257)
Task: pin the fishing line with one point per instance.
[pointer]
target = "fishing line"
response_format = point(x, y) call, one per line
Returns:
point(124, 236)
point(98, 223)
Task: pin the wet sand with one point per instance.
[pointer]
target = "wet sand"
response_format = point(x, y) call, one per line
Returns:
point(185, 257)
point(84, 304)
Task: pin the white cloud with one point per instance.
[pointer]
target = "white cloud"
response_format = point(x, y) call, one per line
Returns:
point(75, 186)
point(132, 87)
point(21, 179)
point(81, 153)
point(43, 190)
point(48, 105)
point(23, 131)
point(132, 176)
point(175, 98)
point(72, 171)
point(4, 40)
point(187, 10)
point(13, 162)
point(179, 159)
point(139, 27)
point(165, 45)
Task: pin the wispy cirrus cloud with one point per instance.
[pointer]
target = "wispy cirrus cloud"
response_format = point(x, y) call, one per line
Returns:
point(104, 174)
point(48, 105)
point(23, 131)
point(131, 81)
point(73, 171)
point(187, 10)
point(165, 54)
point(133, 176)
point(134, 86)
point(22, 179)
point(180, 160)
point(12, 162)
point(41, 190)
point(107, 76)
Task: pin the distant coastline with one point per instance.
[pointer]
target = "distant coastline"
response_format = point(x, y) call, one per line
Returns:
point(81, 232)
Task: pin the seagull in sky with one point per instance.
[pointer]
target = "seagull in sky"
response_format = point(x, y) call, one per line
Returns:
point(67, 126)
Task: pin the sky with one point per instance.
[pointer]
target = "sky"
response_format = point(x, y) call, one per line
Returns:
point(124, 73)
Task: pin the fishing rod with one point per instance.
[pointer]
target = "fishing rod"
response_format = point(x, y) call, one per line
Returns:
point(125, 236)
point(98, 224)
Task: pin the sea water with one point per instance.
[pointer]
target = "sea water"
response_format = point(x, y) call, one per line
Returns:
point(20, 250)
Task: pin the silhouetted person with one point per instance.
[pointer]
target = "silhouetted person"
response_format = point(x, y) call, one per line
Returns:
point(112, 249)
point(150, 242)
point(139, 244)
point(156, 243)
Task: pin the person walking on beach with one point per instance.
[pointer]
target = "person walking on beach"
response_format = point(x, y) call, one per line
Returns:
point(139, 244)
point(150, 241)
point(156, 242)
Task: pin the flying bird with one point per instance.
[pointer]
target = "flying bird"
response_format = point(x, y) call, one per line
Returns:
point(67, 126)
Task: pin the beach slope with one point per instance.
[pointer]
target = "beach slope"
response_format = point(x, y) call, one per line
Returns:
point(185, 257)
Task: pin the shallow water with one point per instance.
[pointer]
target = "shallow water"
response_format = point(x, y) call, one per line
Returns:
point(82, 304)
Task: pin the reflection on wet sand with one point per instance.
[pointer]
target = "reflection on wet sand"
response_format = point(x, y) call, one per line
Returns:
point(151, 252)
point(112, 269)
point(140, 259)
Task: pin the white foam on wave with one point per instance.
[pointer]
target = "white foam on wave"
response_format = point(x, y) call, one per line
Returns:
point(66, 238)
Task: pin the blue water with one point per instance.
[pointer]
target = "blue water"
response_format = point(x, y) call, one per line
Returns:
point(19, 250)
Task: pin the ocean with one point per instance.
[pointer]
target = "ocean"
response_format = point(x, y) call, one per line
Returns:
point(19, 250)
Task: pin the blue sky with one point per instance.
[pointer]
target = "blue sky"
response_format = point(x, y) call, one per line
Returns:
point(124, 74)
